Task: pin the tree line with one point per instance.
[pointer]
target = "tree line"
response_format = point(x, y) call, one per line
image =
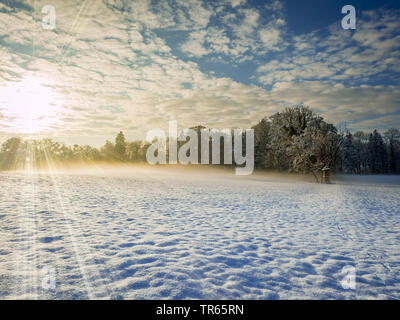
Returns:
point(294, 140)
point(15, 151)
point(298, 140)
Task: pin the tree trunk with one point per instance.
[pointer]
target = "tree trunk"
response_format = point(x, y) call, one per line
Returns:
point(315, 176)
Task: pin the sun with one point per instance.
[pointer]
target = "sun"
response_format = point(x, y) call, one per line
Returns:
point(28, 106)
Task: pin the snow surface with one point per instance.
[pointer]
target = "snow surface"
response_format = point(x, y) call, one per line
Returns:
point(158, 234)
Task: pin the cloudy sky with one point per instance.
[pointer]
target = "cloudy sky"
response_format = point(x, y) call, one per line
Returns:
point(111, 65)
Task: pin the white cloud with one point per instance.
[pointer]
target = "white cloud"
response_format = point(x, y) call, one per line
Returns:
point(112, 72)
point(270, 37)
point(194, 47)
point(339, 55)
point(391, 121)
point(239, 34)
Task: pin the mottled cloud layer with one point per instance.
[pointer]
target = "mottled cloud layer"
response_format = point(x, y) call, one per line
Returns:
point(133, 65)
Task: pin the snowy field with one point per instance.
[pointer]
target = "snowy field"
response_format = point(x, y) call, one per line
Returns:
point(157, 234)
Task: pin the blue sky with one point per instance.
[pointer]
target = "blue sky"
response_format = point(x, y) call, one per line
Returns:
point(300, 18)
point(133, 65)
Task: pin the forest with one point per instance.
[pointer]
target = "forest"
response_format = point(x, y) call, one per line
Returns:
point(294, 140)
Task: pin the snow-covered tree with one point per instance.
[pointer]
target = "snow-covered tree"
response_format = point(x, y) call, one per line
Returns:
point(349, 155)
point(377, 154)
point(392, 137)
point(285, 127)
point(317, 147)
point(261, 141)
point(360, 143)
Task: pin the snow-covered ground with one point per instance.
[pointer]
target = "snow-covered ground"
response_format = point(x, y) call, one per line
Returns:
point(159, 234)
